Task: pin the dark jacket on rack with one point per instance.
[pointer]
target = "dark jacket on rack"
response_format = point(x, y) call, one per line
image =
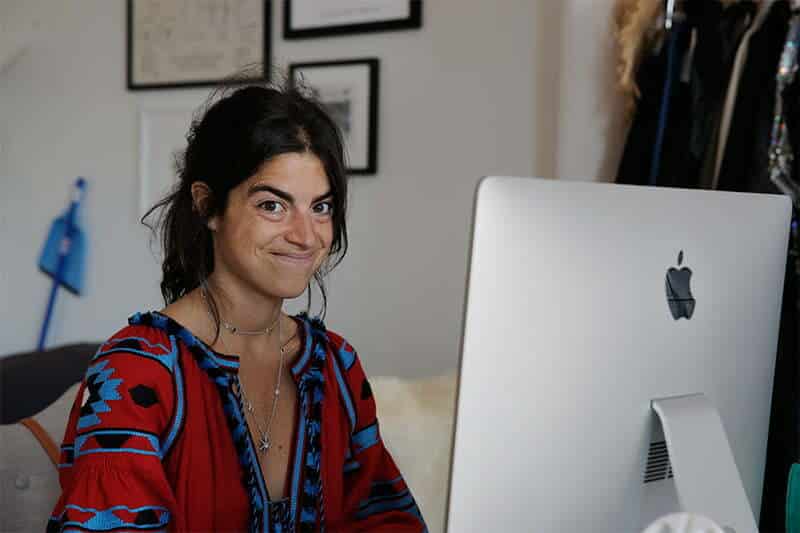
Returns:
point(744, 163)
point(694, 103)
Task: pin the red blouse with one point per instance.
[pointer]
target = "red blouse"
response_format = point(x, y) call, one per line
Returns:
point(156, 440)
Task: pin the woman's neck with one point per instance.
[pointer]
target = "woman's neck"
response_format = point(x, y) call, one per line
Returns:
point(247, 311)
point(243, 308)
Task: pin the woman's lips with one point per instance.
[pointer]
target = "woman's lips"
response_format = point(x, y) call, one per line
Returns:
point(295, 259)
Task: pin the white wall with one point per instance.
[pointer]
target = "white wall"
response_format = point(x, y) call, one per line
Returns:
point(591, 129)
point(507, 87)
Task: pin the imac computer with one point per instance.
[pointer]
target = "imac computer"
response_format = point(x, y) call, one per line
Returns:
point(617, 356)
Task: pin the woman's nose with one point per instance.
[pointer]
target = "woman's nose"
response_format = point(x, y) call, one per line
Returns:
point(302, 230)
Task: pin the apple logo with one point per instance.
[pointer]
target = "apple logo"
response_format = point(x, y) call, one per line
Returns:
point(679, 293)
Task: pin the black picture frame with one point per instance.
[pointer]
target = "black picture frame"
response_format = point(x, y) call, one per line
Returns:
point(413, 21)
point(363, 150)
point(227, 78)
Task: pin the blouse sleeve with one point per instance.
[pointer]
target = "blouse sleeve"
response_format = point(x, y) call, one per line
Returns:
point(376, 495)
point(110, 469)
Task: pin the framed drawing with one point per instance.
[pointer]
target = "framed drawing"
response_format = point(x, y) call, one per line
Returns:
point(314, 18)
point(349, 92)
point(192, 43)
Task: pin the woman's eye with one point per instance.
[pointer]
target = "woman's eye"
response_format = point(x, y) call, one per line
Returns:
point(271, 206)
point(323, 208)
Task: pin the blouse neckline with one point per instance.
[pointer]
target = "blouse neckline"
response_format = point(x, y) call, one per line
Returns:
point(228, 363)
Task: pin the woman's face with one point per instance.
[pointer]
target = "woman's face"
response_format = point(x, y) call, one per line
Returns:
point(277, 226)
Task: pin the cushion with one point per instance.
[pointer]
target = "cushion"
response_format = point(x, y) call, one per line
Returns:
point(28, 481)
point(416, 422)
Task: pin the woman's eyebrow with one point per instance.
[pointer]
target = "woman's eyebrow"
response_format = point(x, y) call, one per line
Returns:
point(282, 194)
point(322, 197)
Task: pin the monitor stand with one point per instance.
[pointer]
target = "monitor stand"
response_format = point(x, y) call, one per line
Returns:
point(706, 479)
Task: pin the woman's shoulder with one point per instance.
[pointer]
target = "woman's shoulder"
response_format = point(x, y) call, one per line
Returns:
point(147, 337)
point(129, 388)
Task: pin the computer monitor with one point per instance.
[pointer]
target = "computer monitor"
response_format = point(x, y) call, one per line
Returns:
point(589, 307)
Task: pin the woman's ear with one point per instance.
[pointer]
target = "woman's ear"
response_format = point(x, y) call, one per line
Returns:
point(201, 197)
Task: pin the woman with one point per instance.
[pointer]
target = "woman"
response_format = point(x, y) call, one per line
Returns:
point(220, 412)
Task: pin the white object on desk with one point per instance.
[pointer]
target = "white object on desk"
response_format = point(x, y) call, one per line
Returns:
point(683, 523)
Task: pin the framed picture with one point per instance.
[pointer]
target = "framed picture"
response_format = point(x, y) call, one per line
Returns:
point(162, 137)
point(349, 92)
point(314, 18)
point(193, 43)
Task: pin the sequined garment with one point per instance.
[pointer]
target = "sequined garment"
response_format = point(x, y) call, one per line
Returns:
point(781, 158)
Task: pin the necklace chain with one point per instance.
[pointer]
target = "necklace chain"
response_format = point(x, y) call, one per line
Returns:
point(238, 331)
point(264, 442)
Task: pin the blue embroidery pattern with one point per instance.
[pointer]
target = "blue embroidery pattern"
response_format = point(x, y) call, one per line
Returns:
point(101, 390)
point(144, 518)
point(311, 394)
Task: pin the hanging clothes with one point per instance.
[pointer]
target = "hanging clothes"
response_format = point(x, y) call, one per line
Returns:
point(651, 79)
point(719, 33)
point(745, 158)
point(693, 99)
point(763, 8)
point(674, 44)
point(781, 158)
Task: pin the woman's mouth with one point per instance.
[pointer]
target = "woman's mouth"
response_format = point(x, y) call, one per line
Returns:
point(301, 260)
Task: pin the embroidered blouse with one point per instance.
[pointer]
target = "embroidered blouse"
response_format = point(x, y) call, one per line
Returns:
point(156, 440)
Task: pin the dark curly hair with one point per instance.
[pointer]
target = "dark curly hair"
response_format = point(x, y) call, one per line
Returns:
point(230, 138)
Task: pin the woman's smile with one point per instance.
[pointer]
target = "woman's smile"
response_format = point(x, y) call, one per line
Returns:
point(303, 260)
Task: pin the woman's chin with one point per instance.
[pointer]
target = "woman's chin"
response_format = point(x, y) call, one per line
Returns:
point(292, 291)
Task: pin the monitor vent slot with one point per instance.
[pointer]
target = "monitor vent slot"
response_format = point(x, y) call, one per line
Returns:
point(658, 466)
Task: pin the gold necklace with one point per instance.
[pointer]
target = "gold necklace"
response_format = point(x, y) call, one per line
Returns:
point(238, 331)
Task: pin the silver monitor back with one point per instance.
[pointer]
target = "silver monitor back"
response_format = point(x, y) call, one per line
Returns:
point(568, 336)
